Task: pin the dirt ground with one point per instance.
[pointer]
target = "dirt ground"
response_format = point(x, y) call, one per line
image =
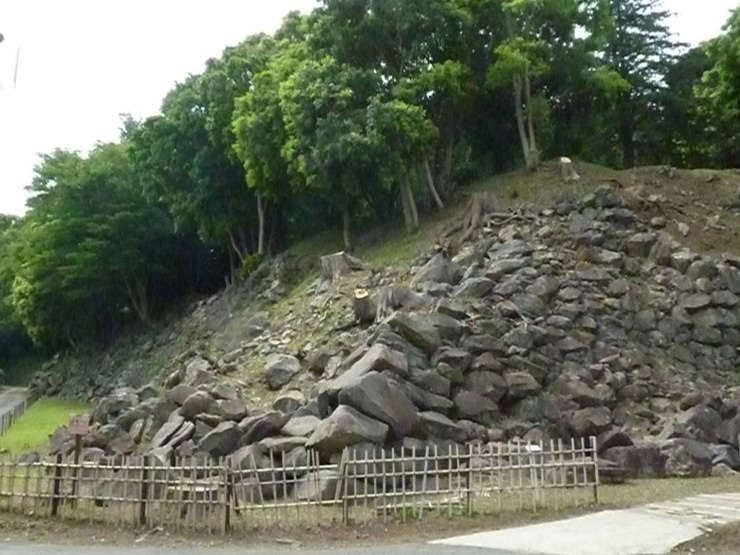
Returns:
point(723, 540)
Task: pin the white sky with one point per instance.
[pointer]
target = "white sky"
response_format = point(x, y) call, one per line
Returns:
point(83, 62)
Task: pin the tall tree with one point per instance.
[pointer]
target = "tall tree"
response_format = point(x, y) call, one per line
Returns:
point(638, 44)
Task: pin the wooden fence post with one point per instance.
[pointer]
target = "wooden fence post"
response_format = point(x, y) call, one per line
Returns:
point(144, 490)
point(596, 469)
point(57, 486)
point(229, 494)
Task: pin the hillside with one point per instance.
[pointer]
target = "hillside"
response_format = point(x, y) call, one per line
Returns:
point(277, 311)
point(609, 308)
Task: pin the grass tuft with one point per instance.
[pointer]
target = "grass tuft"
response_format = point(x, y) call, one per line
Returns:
point(31, 431)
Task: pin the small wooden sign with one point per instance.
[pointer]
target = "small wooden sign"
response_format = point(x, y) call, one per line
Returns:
point(79, 424)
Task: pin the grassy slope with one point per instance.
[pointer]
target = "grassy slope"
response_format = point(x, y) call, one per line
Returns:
point(31, 431)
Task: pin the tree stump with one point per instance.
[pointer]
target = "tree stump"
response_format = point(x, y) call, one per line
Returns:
point(393, 297)
point(567, 172)
point(363, 306)
point(334, 266)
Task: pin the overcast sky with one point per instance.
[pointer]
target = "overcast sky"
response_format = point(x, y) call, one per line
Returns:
point(83, 62)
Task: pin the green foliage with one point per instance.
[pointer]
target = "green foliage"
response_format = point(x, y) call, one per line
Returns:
point(354, 113)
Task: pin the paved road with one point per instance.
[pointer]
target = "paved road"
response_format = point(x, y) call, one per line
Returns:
point(656, 529)
point(10, 397)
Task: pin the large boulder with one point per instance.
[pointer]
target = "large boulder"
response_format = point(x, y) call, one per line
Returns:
point(520, 385)
point(168, 429)
point(222, 440)
point(419, 332)
point(374, 396)
point(180, 392)
point(432, 425)
point(439, 269)
point(290, 401)
point(378, 358)
point(590, 421)
point(200, 402)
point(641, 460)
point(702, 423)
point(113, 405)
point(319, 485)
point(258, 427)
point(346, 426)
point(300, 426)
point(280, 370)
point(687, 458)
point(198, 371)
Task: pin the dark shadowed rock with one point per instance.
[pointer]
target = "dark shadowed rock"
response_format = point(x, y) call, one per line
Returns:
point(318, 361)
point(280, 370)
point(198, 371)
point(224, 391)
point(611, 439)
point(222, 440)
point(181, 392)
point(471, 406)
point(257, 428)
point(702, 423)
point(488, 384)
point(346, 426)
point(459, 359)
point(475, 288)
point(373, 395)
point(419, 332)
point(591, 421)
point(520, 385)
point(300, 426)
point(725, 454)
point(377, 358)
point(431, 381)
point(439, 269)
point(198, 403)
point(113, 405)
point(289, 401)
point(165, 433)
point(232, 409)
point(642, 460)
point(687, 458)
point(448, 328)
point(437, 426)
point(422, 398)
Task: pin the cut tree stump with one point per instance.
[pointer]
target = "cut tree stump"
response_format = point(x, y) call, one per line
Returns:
point(363, 306)
point(567, 172)
point(334, 266)
point(394, 297)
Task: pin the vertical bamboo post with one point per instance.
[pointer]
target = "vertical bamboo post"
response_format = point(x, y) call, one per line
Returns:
point(57, 486)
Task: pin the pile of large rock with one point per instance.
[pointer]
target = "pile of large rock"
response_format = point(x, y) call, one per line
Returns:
point(575, 321)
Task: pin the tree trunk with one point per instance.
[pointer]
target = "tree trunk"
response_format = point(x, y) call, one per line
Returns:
point(410, 214)
point(347, 228)
point(445, 173)
point(534, 157)
point(261, 217)
point(627, 139)
point(519, 110)
point(430, 184)
point(238, 249)
point(138, 297)
point(363, 307)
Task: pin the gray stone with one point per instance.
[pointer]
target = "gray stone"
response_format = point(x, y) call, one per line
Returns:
point(475, 287)
point(280, 370)
point(232, 409)
point(165, 433)
point(289, 401)
point(545, 287)
point(257, 428)
point(181, 392)
point(520, 385)
point(225, 391)
point(374, 396)
point(590, 421)
point(346, 426)
point(687, 458)
point(477, 408)
point(419, 332)
point(640, 244)
point(198, 403)
point(222, 440)
point(642, 460)
point(439, 269)
point(488, 384)
point(300, 426)
point(198, 371)
point(437, 426)
point(318, 485)
point(378, 358)
point(431, 381)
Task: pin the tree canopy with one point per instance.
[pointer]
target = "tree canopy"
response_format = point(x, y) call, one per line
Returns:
point(361, 111)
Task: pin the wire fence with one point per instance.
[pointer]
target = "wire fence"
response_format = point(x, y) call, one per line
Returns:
point(258, 487)
point(9, 417)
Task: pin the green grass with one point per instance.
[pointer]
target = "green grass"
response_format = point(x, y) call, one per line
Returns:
point(32, 430)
